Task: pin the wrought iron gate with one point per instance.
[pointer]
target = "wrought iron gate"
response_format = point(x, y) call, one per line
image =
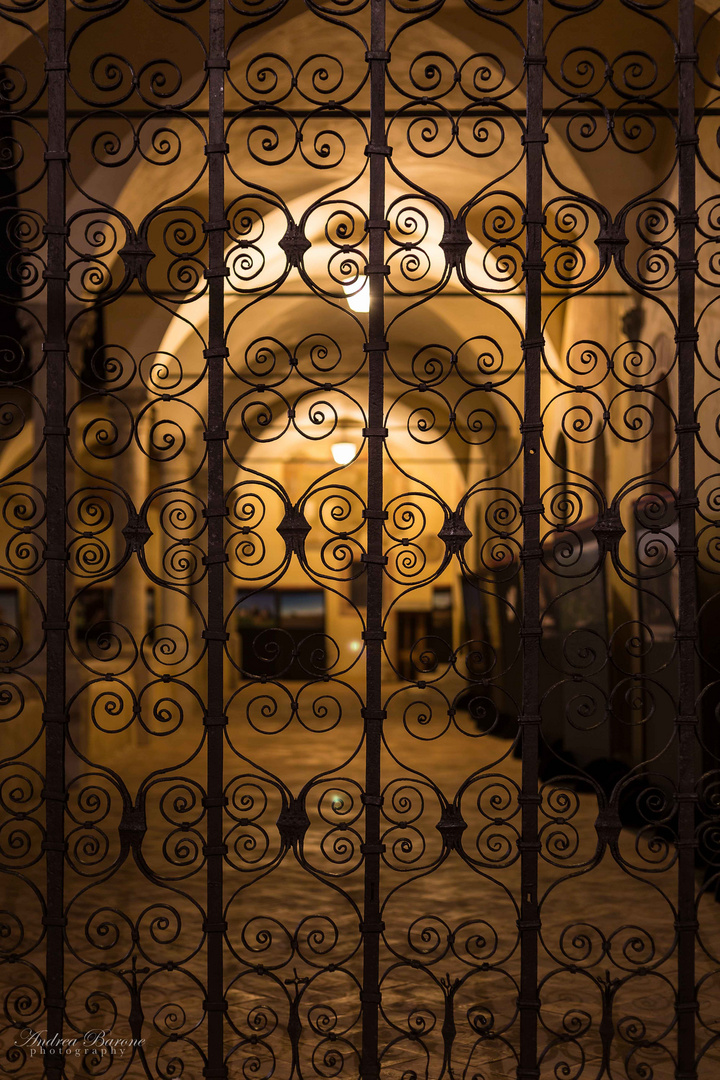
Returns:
point(360, 507)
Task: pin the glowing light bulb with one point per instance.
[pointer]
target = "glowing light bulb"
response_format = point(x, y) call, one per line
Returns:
point(343, 452)
point(358, 295)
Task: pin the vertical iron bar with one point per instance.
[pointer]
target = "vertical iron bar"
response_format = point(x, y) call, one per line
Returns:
point(215, 634)
point(377, 151)
point(686, 926)
point(529, 923)
point(55, 348)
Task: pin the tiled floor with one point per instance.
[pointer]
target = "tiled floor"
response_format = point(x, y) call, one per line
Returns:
point(449, 954)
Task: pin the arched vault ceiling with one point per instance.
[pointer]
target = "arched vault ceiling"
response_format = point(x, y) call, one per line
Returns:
point(453, 34)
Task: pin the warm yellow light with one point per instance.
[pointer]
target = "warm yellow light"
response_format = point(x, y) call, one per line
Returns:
point(358, 295)
point(343, 452)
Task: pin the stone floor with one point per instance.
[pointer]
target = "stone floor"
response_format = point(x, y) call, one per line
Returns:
point(449, 957)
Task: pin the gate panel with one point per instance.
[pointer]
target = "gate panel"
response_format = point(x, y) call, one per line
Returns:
point(707, 454)
point(359, 539)
point(613, 685)
point(298, 537)
point(141, 865)
point(458, 975)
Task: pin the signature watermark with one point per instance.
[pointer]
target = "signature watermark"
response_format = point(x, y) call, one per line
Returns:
point(99, 1043)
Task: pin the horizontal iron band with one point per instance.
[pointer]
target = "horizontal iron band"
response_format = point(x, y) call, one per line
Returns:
point(372, 927)
point(529, 140)
point(216, 720)
point(372, 849)
point(54, 920)
point(54, 845)
point(53, 796)
point(374, 714)
point(374, 635)
point(216, 436)
point(370, 997)
point(377, 346)
point(216, 148)
point(215, 927)
point(532, 508)
point(215, 1072)
point(55, 230)
point(377, 54)
point(55, 1003)
point(374, 148)
point(378, 223)
point(690, 429)
point(377, 560)
point(531, 631)
point(220, 62)
point(55, 555)
point(222, 512)
point(687, 796)
point(686, 58)
point(528, 845)
point(375, 433)
point(530, 800)
point(534, 264)
point(48, 624)
point(214, 560)
point(685, 635)
point(55, 275)
point(687, 219)
point(530, 718)
point(55, 346)
point(56, 429)
point(687, 264)
point(531, 553)
point(687, 718)
point(216, 226)
point(210, 801)
point(686, 335)
point(215, 635)
point(687, 549)
point(373, 800)
point(215, 1006)
point(527, 220)
point(216, 271)
point(56, 155)
point(687, 924)
point(215, 849)
point(56, 65)
point(375, 515)
point(384, 270)
point(535, 58)
point(527, 1074)
point(529, 924)
point(218, 350)
point(55, 718)
point(687, 1007)
point(532, 343)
